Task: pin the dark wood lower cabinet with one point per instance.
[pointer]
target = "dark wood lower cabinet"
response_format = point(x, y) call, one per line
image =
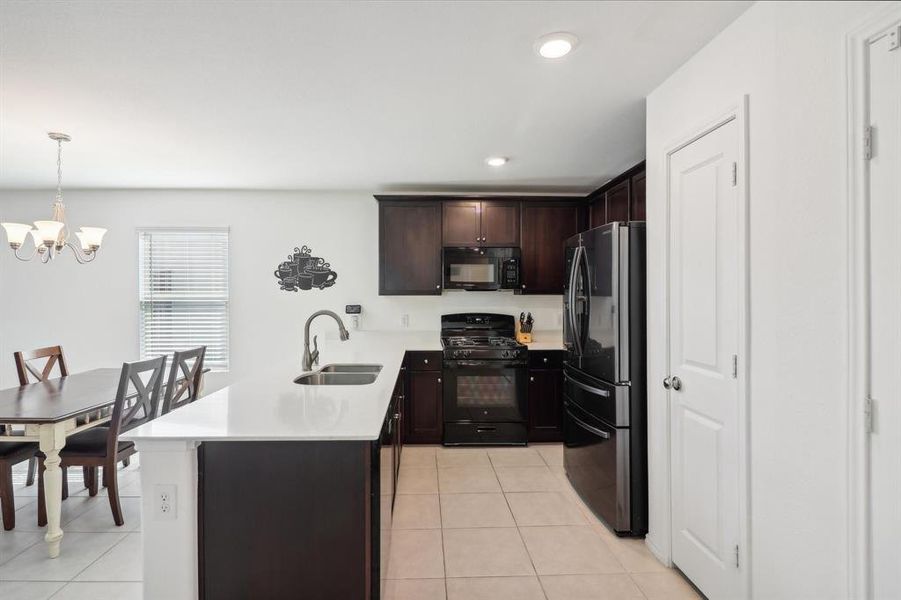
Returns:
point(423, 410)
point(545, 397)
point(285, 520)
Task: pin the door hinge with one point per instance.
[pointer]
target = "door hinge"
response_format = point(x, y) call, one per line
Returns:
point(736, 556)
point(868, 415)
point(894, 38)
point(867, 142)
point(734, 174)
point(735, 366)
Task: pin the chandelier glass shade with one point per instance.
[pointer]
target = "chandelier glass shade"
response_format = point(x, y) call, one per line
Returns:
point(51, 237)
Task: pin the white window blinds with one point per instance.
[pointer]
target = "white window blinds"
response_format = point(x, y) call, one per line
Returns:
point(184, 292)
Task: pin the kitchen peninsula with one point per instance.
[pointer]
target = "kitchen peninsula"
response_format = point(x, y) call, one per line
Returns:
point(277, 488)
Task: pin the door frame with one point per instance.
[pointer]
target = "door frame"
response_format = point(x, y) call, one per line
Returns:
point(857, 83)
point(661, 545)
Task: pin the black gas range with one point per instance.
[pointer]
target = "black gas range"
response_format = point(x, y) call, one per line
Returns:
point(485, 380)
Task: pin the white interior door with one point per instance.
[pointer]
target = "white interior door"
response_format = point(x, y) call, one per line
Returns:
point(704, 339)
point(884, 94)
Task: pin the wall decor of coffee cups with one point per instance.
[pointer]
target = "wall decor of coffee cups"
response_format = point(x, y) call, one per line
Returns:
point(303, 271)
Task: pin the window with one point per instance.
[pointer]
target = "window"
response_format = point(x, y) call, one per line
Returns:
point(184, 292)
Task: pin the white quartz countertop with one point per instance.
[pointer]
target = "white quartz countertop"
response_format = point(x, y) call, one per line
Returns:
point(272, 407)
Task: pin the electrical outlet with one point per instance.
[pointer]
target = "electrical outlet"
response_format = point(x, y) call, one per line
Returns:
point(166, 502)
point(405, 320)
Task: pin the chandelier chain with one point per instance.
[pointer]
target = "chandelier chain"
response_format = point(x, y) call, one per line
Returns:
point(59, 169)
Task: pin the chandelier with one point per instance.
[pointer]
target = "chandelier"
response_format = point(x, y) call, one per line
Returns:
point(51, 237)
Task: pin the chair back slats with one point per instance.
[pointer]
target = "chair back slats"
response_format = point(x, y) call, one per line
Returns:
point(178, 393)
point(144, 399)
point(54, 356)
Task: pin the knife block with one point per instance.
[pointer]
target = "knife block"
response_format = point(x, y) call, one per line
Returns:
point(524, 338)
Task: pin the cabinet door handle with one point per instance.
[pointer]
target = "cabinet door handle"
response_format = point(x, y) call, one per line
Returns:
point(484, 238)
point(531, 379)
point(545, 359)
point(438, 287)
point(439, 380)
point(425, 360)
point(523, 286)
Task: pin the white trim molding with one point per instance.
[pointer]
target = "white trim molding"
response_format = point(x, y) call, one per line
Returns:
point(859, 539)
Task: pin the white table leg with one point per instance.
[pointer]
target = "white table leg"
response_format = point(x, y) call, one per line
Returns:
point(53, 438)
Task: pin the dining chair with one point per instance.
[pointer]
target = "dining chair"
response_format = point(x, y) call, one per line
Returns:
point(100, 446)
point(192, 379)
point(24, 367)
point(11, 454)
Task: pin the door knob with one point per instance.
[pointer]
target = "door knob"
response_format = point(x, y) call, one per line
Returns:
point(677, 384)
point(666, 383)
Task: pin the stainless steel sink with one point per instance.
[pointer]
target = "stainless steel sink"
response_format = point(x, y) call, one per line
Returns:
point(332, 378)
point(350, 368)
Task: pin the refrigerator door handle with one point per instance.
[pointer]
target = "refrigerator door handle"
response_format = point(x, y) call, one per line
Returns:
point(587, 388)
point(583, 262)
point(586, 426)
point(576, 335)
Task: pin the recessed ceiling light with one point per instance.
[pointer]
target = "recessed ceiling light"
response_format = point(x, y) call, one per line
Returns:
point(556, 45)
point(496, 161)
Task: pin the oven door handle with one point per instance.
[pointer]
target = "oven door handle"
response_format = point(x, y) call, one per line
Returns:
point(584, 425)
point(587, 388)
point(493, 364)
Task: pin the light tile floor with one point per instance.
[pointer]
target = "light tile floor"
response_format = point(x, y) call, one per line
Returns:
point(498, 524)
point(99, 561)
point(469, 524)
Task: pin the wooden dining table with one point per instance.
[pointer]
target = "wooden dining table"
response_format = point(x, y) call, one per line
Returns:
point(50, 411)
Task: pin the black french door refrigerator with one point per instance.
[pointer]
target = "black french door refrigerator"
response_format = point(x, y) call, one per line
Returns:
point(605, 417)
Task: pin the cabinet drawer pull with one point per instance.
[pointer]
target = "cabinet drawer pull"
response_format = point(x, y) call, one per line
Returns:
point(545, 359)
point(425, 360)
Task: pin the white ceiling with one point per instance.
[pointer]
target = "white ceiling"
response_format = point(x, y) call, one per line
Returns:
point(334, 95)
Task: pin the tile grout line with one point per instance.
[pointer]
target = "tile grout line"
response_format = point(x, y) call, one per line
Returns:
point(441, 523)
point(519, 532)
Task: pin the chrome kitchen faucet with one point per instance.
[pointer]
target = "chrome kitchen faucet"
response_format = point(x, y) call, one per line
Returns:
point(312, 358)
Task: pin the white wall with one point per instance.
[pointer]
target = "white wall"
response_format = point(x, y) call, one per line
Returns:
point(788, 57)
point(92, 310)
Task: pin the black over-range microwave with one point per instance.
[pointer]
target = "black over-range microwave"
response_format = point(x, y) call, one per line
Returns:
point(481, 269)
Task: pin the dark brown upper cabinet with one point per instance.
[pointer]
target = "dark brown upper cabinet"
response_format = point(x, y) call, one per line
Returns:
point(617, 200)
point(620, 199)
point(481, 223)
point(545, 227)
point(639, 198)
point(500, 223)
point(409, 248)
point(462, 223)
point(598, 210)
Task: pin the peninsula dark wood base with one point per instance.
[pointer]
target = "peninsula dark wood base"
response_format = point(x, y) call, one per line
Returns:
point(288, 520)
